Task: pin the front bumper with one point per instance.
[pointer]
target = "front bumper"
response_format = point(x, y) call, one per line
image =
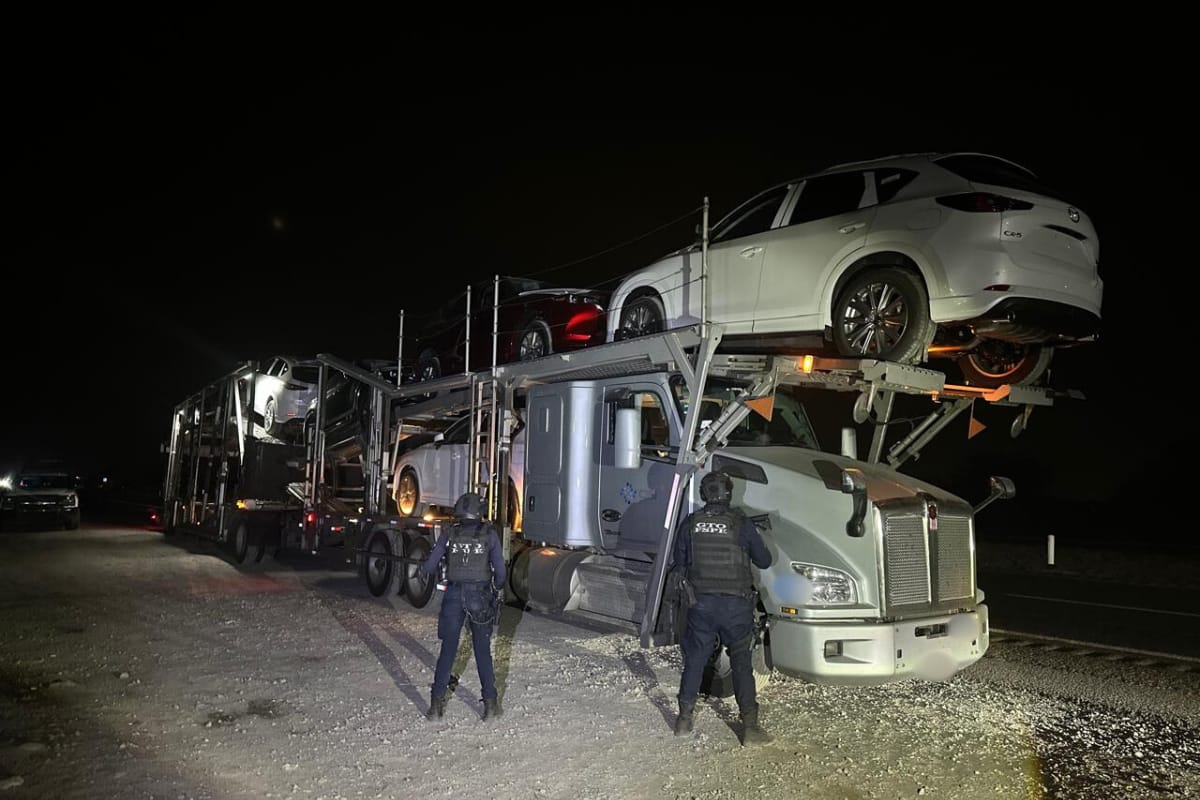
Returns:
point(48, 518)
point(933, 648)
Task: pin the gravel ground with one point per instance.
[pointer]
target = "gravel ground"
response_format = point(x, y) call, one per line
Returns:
point(135, 666)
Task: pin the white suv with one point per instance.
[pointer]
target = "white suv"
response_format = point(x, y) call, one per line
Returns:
point(435, 474)
point(957, 255)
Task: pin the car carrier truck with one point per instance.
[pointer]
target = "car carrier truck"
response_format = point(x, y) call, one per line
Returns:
point(873, 575)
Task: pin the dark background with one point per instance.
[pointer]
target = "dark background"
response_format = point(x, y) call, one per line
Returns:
point(184, 198)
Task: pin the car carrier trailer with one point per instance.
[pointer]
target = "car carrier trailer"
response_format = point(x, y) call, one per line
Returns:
point(873, 577)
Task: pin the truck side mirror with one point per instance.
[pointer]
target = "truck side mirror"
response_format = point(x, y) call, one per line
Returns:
point(1001, 489)
point(628, 436)
point(854, 483)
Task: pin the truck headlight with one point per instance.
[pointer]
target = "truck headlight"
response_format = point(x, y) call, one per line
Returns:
point(71, 501)
point(830, 587)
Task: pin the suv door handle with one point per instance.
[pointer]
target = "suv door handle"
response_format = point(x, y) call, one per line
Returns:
point(751, 252)
point(851, 228)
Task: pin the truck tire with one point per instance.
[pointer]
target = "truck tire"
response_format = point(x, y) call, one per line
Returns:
point(418, 587)
point(378, 566)
point(718, 675)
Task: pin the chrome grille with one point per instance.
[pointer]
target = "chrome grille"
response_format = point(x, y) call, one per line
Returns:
point(954, 559)
point(910, 578)
point(906, 571)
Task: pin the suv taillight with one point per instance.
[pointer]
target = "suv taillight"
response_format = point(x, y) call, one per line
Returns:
point(983, 202)
point(584, 324)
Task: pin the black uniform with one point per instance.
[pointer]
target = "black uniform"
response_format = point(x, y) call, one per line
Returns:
point(474, 574)
point(715, 547)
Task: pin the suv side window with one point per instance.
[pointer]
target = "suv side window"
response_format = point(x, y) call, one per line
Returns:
point(274, 367)
point(891, 180)
point(828, 196)
point(754, 216)
point(459, 432)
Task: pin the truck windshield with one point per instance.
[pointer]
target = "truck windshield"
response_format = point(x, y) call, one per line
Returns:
point(788, 426)
point(46, 482)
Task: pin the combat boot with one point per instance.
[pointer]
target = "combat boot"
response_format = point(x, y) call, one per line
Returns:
point(437, 707)
point(751, 732)
point(491, 707)
point(683, 724)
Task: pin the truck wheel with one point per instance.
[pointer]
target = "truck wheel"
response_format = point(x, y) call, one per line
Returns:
point(379, 567)
point(418, 587)
point(241, 542)
point(718, 675)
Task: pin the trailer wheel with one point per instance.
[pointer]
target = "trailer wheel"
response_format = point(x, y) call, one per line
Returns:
point(241, 542)
point(378, 566)
point(418, 587)
point(261, 550)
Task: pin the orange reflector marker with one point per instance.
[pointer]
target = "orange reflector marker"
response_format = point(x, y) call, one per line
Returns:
point(788, 610)
point(806, 364)
point(763, 406)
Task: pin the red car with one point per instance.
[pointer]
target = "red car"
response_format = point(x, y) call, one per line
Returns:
point(535, 320)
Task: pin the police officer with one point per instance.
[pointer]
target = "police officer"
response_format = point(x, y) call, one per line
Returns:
point(474, 575)
point(715, 547)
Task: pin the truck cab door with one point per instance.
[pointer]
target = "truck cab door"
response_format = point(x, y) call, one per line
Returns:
point(633, 500)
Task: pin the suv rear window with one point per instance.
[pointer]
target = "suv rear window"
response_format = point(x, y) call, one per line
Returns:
point(997, 172)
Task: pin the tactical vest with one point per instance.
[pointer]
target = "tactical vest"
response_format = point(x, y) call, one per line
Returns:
point(467, 553)
point(720, 565)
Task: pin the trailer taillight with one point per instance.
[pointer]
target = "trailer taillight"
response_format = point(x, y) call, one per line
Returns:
point(310, 518)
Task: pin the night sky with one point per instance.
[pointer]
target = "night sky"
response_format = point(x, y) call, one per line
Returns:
point(181, 200)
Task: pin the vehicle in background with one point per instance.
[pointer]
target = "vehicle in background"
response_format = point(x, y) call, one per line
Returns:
point(42, 500)
point(348, 401)
point(534, 319)
point(283, 391)
point(963, 256)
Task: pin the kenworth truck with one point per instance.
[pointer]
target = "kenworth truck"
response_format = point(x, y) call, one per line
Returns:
point(873, 575)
